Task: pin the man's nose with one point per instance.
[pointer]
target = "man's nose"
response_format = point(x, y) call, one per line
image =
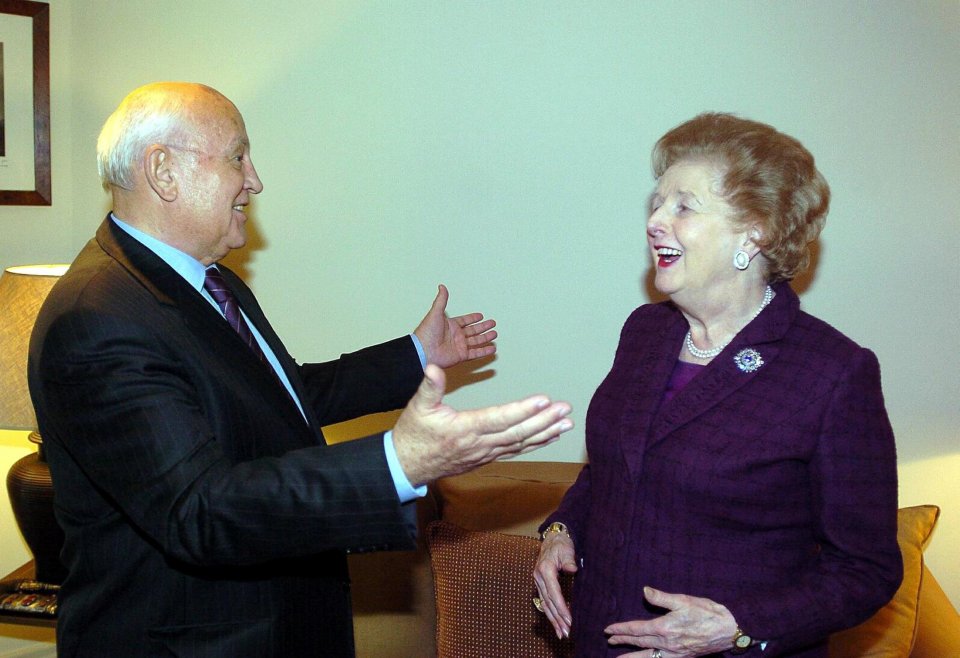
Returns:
point(254, 184)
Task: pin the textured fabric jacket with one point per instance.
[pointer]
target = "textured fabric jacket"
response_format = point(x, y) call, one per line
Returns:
point(203, 516)
point(772, 492)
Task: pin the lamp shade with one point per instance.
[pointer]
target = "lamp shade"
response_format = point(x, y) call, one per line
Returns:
point(22, 291)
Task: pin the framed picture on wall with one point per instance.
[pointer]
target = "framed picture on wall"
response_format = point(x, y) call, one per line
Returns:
point(25, 103)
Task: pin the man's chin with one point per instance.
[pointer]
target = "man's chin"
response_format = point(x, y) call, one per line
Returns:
point(237, 240)
point(225, 249)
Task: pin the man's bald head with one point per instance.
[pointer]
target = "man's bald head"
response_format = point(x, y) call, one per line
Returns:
point(157, 113)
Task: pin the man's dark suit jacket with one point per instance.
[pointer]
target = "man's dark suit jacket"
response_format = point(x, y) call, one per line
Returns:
point(772, 492)
point(203, 515)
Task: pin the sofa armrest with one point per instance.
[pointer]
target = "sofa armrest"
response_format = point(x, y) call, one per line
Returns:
point(510, 497)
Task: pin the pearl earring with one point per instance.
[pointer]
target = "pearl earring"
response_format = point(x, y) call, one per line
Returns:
point(741, 260)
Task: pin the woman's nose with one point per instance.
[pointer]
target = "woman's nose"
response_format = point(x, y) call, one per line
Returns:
point(656, 222)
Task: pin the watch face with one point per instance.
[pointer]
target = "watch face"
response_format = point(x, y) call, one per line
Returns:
point(743, 642)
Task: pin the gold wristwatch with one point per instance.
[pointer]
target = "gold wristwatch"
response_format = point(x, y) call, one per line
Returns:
point(741, 642)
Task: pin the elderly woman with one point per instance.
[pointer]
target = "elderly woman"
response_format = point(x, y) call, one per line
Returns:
point(741, 493)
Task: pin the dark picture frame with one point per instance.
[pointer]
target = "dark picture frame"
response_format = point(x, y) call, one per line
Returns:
point(39, 13)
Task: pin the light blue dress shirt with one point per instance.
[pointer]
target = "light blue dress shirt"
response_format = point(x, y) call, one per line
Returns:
point(194, 273)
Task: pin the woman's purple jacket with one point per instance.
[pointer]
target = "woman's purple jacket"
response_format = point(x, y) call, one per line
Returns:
point(772, 492)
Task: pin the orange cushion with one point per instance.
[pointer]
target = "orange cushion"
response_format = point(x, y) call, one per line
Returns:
point(891, 632)
point(483, 583)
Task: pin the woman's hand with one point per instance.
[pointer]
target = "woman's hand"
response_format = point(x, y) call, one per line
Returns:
point(694, 627)
point(556, 554)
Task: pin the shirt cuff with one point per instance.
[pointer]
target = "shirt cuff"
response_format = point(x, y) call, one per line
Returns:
point(420, 352)
point(405, 491)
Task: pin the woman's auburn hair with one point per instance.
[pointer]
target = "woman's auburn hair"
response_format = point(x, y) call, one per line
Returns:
point(769, 178)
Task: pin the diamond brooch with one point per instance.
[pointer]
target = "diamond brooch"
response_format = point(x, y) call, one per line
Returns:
point(748, 360)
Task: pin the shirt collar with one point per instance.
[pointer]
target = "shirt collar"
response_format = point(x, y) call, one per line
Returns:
point(192, 270)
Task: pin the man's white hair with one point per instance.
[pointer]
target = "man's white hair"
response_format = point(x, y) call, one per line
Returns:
point(149, 115)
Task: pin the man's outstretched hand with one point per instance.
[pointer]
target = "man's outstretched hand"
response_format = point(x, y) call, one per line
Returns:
point(449, 341)
point(434, 440)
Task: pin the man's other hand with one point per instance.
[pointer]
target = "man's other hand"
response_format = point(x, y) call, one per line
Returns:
point(434, 440)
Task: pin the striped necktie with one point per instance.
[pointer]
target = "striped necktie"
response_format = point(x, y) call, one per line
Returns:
point(227, 302)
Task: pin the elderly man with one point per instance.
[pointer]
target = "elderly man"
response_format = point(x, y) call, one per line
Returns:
point(204, 514)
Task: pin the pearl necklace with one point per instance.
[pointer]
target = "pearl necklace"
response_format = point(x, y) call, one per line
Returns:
point(709, 354)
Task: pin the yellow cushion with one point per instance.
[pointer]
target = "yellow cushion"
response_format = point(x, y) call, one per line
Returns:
point(891, 632)
point(483, 583)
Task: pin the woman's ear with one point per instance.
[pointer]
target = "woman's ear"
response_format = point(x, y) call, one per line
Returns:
point(753, 240)
point(159, 171)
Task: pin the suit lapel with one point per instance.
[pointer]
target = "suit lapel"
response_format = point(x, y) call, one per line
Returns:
point(722, 377)
point(202, 320)
point(256, 315)
point(143, 265)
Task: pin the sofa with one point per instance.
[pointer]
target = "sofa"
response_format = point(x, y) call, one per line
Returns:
point(475, 556)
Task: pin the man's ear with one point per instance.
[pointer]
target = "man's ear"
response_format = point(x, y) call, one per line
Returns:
point(159, 172)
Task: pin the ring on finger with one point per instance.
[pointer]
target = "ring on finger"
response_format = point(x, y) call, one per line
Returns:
point(538, 603)
point(657, 653)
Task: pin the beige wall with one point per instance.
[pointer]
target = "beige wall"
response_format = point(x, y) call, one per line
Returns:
point(503, 149)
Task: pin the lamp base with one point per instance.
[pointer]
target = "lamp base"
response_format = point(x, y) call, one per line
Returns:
point(31, 496)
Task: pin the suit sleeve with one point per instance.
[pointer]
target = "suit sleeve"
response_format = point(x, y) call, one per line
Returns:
point(859, 566)
point(372, 380)
point(116, 398)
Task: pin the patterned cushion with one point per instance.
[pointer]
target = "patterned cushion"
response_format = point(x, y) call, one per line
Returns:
point(891, 632)
point(484, 591)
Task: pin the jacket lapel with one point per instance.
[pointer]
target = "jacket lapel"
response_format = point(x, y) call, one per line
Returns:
point(201, 319)
point(255, 313)
point(646, 385)
point(143, 265)
point(722, 377)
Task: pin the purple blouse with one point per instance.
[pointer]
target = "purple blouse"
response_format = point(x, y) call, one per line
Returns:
point(683, 373)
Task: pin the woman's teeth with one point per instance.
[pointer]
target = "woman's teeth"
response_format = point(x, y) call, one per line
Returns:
point(669, 254)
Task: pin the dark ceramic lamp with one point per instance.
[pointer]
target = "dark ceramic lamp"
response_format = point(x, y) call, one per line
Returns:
point(22, 291)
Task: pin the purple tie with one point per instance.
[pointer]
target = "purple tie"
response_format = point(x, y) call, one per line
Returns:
point(225, 299)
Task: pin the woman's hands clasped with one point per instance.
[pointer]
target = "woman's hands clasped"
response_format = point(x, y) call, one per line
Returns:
point(556, 554)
